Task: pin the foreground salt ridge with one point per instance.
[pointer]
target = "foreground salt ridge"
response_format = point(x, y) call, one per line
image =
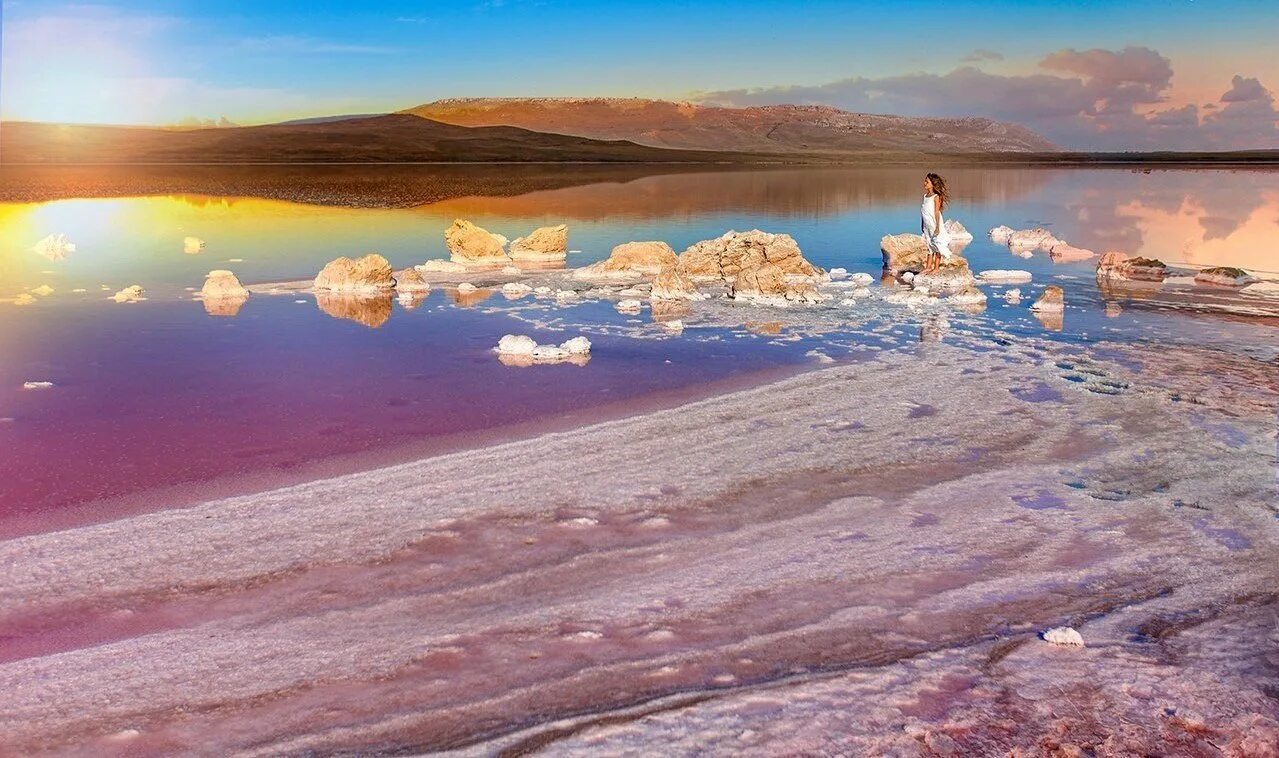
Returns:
point(476, 561)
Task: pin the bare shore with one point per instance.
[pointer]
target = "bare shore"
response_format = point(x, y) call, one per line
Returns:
point(857, 559)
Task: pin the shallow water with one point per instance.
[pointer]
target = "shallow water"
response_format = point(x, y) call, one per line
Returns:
point(160, 393)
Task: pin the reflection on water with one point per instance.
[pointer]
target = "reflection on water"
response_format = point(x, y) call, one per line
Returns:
point(158, 393)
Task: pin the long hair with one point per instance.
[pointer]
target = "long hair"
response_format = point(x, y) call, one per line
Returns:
point(939, 189)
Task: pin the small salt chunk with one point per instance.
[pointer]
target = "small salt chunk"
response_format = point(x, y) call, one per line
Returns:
point(1064, 635)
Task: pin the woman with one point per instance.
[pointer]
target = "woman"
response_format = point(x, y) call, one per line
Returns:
point(936, 196)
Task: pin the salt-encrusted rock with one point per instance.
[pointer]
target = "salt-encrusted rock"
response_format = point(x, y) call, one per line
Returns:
point(577, 346)
point(1033, 239)
point(629, 306)
point(1226, 276)
point(969, 295)
point(547, 243)
point(671, 283)
point(1053, 300)
point(838, 273)
point(43, 290)
point(1116, 265)
point(471, 245)
point(1263, 289)
point(516, 344)
point(768, 284)
point(371, 309)
point(957, 232)
point(410, 281)
point(221, 284)
point(674, 327)
point(952, 276)
point(1110, 263)
point(370, 274)
point(903, 252)
point(41, 385)
point(130, 294)
point(1001, 234)
point(1012, 296)
point(439, 265)
point(862, 279)
point(1064, 635)
point(465, 287)
point(564, 296)
point(192, 245)
point(55, 247)
point(1004, 276)
point(631, 259)
point(542, 291)
point(727, 255)
point(514, 290)
point(1066, 253)
point(911, 297)
point(641, 290)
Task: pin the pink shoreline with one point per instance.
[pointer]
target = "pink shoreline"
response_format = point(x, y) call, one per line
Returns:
point(247, 483)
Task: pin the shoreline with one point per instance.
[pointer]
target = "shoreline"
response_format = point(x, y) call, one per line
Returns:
point(823, 525)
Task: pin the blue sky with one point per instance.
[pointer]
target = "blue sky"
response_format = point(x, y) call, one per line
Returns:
point(157, 62)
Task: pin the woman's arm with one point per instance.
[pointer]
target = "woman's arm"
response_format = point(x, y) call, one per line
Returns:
point(937, 214)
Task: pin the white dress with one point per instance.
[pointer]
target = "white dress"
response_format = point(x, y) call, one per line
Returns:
point(938, 239)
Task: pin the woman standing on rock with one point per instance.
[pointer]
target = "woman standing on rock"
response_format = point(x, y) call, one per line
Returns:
point(936, 196)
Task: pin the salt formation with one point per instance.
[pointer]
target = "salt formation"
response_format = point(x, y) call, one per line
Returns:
point(1033, 239)
point(629, 306)
point(958, 234)
point(905, 253)
point(43, 290)
point(1066, 253)
point(631, 259)
point(1064, 635)
point(221, 283)
point(671, 283)
point(410, 281)
point(369, 275)
point(37, 385)
point(727, 255)
point(130, 294)
point(838, 273)
point(969, 295)
point(55, 247)
point(515, 290)
point(1012, 296)
point(1005, 276)
point(545, 244)
point(1117, 265)
point(440, 265)
point(1001, 234)
point(520, 349)
point(862, 279)
point(471, 245)
point(1053, 300)
point(192, 245)
point(1226, 276)
point(767, 284)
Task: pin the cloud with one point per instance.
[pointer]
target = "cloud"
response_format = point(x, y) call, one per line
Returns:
point(1081, 99)
point(982, 54)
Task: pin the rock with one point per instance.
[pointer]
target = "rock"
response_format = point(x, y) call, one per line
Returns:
point(629, 306)
point(672, 284)
point(1053, 300)
point(566, 296)
point(516, 344)
point(521, 350)
point(957, 232)
point(130, 294)
point(759, 283)
point(577, 346)
point(951, 277)
point(1116, 265)
point(903, 252)
point(1225, 276)
point(515, 290)
point(221, 283)
point(1012, 296)
point(838, 273)
point(471, 245)
point(547, 243)
point(192, 245)
point(1005, 276)
point(43, 290)
point(1064, 635)
point(369, 309)
point(55, 247)
point(1263, 289)
point(862, 280)
point(631, 258)
point(910, 297)
point(969, 295)
point(37, 385)
point(1033, 239)
point(1067, 253)
point(369, 275)
point(727, 255)
point(1110, 263)
point(442, 266)
point(410, 280)
point(668, 310)
point(1001, 234)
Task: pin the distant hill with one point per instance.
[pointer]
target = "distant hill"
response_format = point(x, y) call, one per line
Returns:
point(328, 119)
point(768, 129)
point(388, 138)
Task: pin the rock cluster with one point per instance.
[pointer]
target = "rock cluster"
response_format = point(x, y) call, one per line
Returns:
point(521, 350)
point(368, 275)
point(727, 255)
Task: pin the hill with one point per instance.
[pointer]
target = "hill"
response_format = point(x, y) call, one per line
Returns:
point(793, 129)
point(377, 139)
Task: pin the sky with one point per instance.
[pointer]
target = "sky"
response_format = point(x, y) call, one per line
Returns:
point(1172, 74)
